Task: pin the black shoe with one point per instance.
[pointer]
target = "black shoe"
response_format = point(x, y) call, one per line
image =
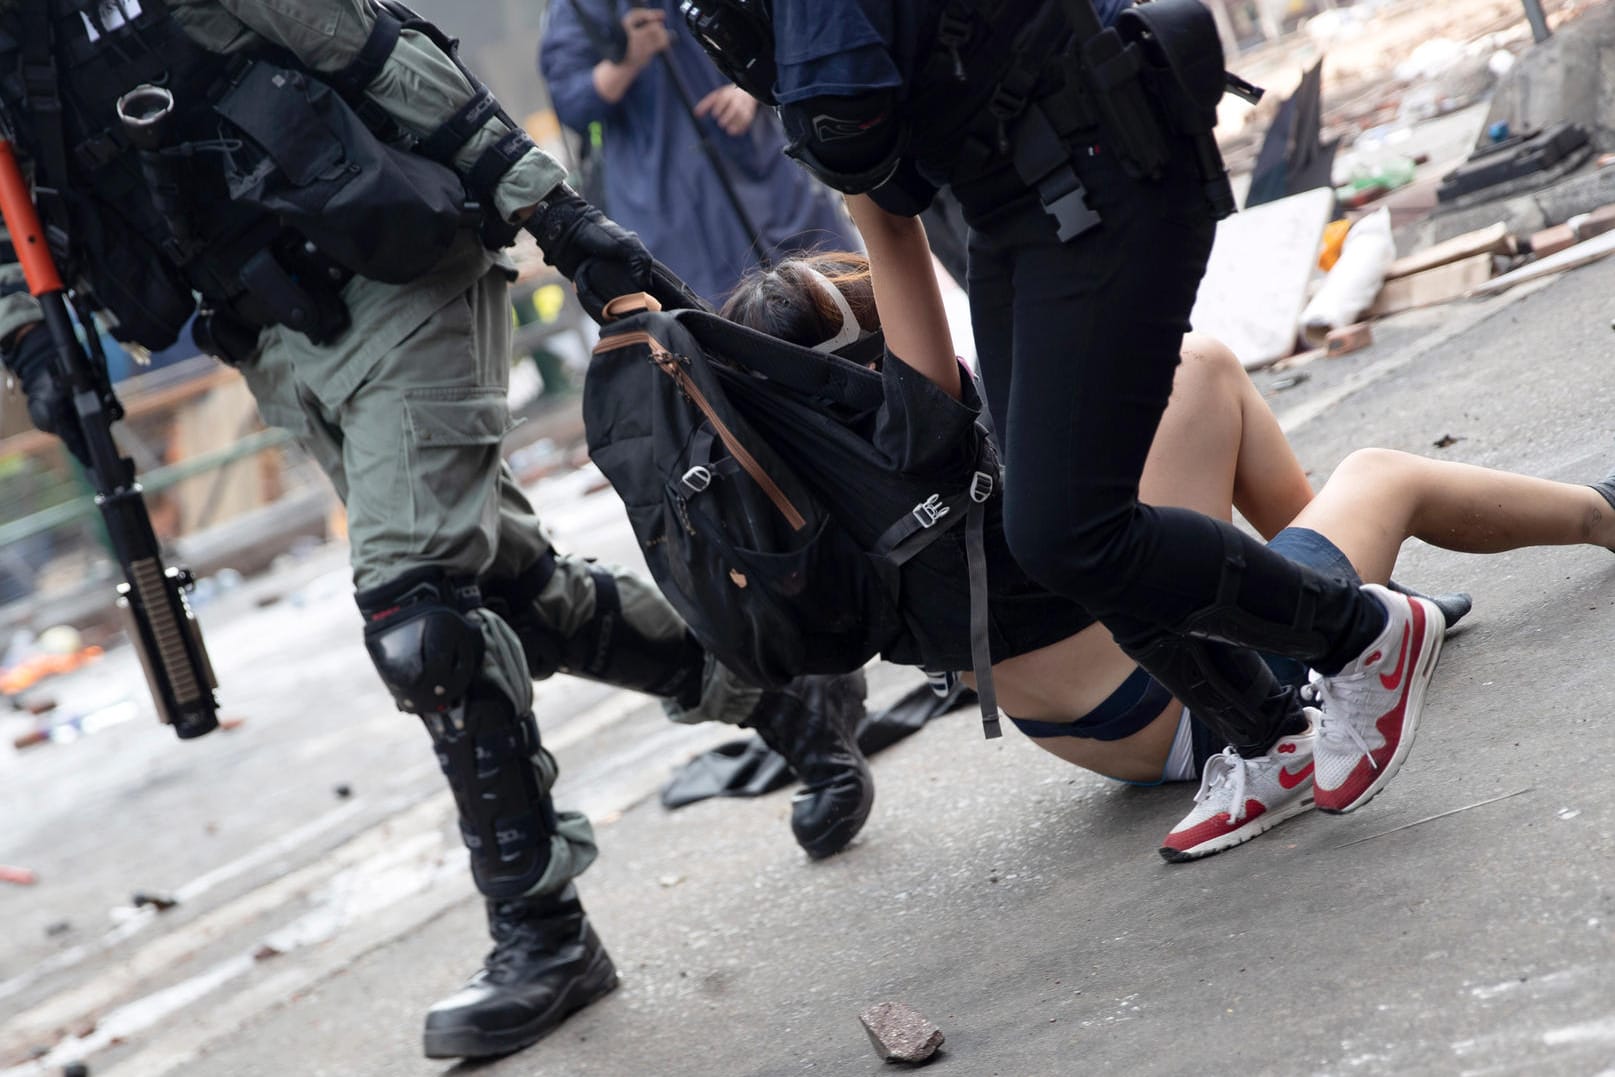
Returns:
point(546, 963)
point(1454, 606)
point(813, 723)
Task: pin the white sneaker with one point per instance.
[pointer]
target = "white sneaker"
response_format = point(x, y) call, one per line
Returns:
point(1371, 708)
point(1240, 798)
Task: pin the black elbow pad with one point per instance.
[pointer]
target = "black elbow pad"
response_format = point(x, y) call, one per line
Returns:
point(906, 193)
point(853, 144)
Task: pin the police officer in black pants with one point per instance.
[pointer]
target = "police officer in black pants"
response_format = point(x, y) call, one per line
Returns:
point(1078, 139)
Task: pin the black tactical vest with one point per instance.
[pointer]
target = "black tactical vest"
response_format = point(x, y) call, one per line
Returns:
point(266, 192)
point(98, 209)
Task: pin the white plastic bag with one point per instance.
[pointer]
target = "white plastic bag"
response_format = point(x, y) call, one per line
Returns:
point(1356, 279)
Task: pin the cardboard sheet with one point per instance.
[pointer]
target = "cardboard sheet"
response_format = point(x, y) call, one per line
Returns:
point(1256, 282)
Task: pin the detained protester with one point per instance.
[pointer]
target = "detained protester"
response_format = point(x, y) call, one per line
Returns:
point(691, 163)
point(332, 187)
point(1218, 447)
point(1079, 144)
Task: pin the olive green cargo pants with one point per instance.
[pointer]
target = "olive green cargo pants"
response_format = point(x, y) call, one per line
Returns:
point(414, 454)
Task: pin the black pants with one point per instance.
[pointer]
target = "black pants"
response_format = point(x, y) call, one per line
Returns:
point(1078, 344)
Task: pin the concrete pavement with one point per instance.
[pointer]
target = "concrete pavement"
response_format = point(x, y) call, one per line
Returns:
point(1019, 902)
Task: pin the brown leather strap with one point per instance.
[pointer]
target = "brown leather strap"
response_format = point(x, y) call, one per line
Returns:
point(633, 303)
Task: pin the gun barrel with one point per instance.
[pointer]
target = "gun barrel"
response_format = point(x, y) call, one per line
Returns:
point(161, 625)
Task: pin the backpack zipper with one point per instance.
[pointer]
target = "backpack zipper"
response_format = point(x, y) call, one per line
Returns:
point(670, 365)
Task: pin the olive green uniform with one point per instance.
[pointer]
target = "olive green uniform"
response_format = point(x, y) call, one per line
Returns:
point(406, 410)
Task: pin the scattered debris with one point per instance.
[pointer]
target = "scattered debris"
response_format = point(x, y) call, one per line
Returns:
point(1572, 258)
point(342, 790)
point(1348, 339)
point(1350, 287)
point(1439, 284)
point(266, 951)
point(1290, 381)
point(1493, 239)
point(1569, 813)
point(1438, 815)
point(75, 1069)
point(19, 876)
point(57, 928)
point(1553, 239)
point(42, 663)
point(1255, 284)
point(160, 902)
point(30, 738)
point(1446, 440)
point(669, 881)
point(1299, 359)
point(232, 723)
point(900, 1033)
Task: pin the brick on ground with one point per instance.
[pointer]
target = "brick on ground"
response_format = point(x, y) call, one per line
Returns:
point(1552, 240)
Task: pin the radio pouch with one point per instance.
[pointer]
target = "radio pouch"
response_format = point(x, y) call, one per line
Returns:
point(308, 158)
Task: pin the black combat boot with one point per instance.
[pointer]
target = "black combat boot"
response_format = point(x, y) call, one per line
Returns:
point(813, 723)
point(546, 963)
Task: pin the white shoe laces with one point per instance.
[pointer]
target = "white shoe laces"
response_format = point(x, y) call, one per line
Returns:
point(1227, 768)
point(1350, 694)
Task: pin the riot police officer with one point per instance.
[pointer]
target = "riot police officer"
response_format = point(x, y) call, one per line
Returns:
point(1077, 136)
point(333, 188)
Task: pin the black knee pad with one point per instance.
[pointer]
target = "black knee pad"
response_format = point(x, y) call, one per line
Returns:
point(427, 650)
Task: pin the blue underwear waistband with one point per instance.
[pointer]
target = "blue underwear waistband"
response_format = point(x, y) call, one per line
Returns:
point(1135, 704)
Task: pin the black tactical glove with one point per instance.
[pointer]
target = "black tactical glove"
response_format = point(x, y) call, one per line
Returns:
point(31, 358)
point(601, 258)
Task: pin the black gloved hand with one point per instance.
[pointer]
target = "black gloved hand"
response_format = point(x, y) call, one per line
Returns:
point(31, 359)
point(601, 258)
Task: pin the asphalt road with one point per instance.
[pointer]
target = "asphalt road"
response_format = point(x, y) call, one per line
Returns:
point(1016, 901)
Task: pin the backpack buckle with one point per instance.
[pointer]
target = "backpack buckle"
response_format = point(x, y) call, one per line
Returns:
point(697, 479)
point(929, 511)
point(981, 486)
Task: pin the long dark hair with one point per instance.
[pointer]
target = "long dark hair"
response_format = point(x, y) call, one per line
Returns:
point(786, 301)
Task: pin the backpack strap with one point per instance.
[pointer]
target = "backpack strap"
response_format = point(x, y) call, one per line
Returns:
point(922, 526)
point(981, 489)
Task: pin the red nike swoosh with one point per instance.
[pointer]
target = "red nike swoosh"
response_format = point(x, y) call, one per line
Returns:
point(1395, 678)
point(1290, 781)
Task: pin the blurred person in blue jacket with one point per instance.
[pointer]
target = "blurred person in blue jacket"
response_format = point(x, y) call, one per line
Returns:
point(600, 58)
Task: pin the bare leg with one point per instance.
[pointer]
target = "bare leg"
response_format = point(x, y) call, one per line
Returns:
point(1377, 498)
point(1219, 445)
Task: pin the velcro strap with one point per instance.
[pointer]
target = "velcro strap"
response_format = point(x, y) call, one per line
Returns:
point(516, 834)
point(363, 68)
point(495, 161)
point(441, 145)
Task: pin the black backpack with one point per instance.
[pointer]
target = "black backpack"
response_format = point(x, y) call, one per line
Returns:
point(802, 512)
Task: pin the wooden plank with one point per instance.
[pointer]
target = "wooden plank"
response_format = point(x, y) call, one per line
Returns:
point(1493, 239)
point(1574, 258)
point(1256, 282)
point(1438, 285)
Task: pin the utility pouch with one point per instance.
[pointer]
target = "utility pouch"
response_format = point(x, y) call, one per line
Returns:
point(308, 158)
point(1183, 68)
point(1182, 59)
point(1112, 69)
point(316, 312)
